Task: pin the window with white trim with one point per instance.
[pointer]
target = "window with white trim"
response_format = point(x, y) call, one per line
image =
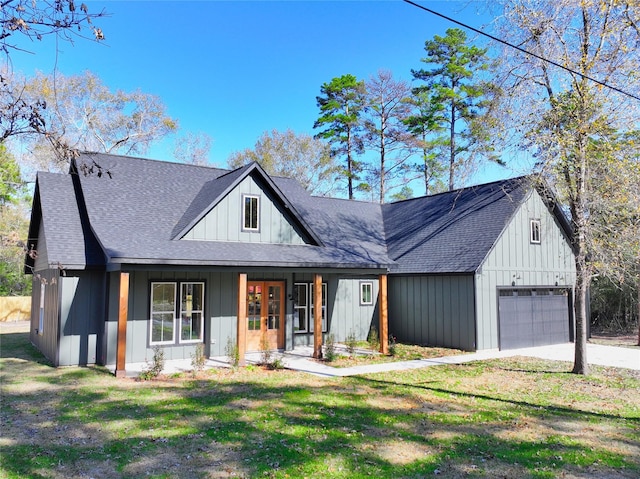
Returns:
point(191, 312)
point(41, 312)
point(535, 231)
point(366, 293)
point(303, 307)
point(176, 318)
point(251, 212)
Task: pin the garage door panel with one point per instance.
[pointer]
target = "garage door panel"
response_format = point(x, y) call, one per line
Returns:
point(517, 330)
point(533, 317)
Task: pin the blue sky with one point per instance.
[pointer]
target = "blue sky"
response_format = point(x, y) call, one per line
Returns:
point(236, 69)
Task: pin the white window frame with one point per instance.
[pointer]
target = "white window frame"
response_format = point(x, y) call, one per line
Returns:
point(183, 312)
point(323, 306)
point(176, 336)
point(535, 231)
point(297, 307)
point(152, 312)
point(363, 286)
point(309, 307)
point(249, 227)
point(43, 291)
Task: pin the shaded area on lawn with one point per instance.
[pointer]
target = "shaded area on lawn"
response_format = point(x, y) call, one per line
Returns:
point(510, 418)
point(17, 346)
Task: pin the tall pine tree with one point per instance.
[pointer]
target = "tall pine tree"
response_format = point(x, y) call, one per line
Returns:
point(452, 82)
point(341, 104)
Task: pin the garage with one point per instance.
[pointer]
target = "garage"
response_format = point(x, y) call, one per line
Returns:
point(533, 317)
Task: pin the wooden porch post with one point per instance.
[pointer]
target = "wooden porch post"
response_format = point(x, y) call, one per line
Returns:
point(317, 316)
point(123, 311)
point(384, 315)
point(242, 318)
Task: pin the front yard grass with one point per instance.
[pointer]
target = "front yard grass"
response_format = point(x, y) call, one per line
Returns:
point(364, 354)
point(519, 417)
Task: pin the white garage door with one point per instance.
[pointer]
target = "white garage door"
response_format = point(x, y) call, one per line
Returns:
point(533, 317)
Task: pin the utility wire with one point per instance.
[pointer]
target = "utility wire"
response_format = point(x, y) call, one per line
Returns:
point(526, 52)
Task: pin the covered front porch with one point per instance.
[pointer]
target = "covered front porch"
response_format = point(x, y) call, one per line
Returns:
point(273, 310)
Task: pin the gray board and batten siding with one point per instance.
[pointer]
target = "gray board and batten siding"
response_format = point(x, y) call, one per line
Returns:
point(515, 261)
point(433, 310)
point(344, 313)
point(71, 330)
point(224, 221)
point(44, 330)
point(460, 309)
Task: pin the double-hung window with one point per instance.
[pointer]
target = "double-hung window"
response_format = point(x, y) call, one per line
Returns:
point(303, 307)
point(251, 212)
point(177, 312)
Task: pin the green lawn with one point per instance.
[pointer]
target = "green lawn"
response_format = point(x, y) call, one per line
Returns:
point(516, 418)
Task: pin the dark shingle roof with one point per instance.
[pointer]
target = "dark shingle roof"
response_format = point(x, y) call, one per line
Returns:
point(450, 232)
point(212, 191)
point(139, 214)
point(70, 241)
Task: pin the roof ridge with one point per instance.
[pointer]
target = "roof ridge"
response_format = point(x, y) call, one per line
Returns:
point(465, 188)
point(153, 160)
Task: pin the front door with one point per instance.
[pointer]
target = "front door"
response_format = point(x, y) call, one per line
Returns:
point(265, 315)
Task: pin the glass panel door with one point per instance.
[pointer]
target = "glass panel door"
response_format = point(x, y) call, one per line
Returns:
point(265, 315)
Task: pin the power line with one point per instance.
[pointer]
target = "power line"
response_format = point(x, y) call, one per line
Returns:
point(526, 52)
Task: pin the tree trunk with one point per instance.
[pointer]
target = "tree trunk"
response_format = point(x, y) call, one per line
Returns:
point(349, 166)
point(580, 365)
point(426, 171)
point(452, 152)
point(382, 166)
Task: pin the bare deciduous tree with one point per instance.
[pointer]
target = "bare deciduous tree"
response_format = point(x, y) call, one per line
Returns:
point(84, 114)
point(292, 155)
point(572, 124)
point(387, 108)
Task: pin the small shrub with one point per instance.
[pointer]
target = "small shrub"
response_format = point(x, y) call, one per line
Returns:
point(232, 352)
point(276, 364)
point(392, 346)
point(374, 340)
point(265, 351)
point(198, 359)
point(351, 343)
point(330, 349)
point(154, 369)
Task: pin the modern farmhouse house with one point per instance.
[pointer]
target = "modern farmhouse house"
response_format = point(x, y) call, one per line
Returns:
point(173, 255)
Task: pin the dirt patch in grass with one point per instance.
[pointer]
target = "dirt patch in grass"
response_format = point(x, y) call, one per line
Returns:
point(518, 417)
point(628, 340)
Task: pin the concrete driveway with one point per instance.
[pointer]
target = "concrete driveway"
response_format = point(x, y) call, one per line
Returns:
point(599, 354)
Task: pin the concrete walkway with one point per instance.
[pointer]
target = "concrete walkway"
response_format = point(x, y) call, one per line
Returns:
point(301, 360)
point(596, 354)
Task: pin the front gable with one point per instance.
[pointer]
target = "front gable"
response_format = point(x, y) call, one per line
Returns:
point(248, 209)
point(226, 220)
point(533, 240)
